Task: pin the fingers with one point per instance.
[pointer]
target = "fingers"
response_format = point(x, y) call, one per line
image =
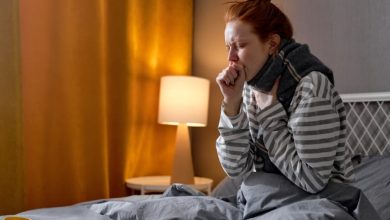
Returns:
point(241, 73)
point(227, 76)
point(232, 74)
point(231, 83)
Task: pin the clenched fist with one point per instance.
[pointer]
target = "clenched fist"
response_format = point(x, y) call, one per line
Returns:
point(231, 82)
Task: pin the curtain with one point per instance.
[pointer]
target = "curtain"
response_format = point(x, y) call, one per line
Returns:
point(11, 149)
point(89, 75)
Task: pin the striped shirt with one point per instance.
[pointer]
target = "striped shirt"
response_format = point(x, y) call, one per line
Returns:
point(308, 146)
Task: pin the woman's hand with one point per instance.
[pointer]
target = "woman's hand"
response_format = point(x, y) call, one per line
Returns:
point(264, 100)
point(231, 82)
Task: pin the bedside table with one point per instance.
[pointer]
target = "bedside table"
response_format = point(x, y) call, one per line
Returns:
point(161, 183)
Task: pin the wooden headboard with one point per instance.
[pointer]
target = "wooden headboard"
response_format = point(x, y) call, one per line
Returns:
point(368, 123)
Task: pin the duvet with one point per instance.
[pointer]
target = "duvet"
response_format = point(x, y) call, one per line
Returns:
point(261, 196)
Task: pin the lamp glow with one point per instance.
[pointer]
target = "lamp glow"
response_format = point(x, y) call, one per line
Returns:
point(183, 102)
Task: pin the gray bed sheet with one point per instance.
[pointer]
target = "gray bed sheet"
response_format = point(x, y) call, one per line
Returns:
point(272, 196)
point(373, 177)
point(178, 202)
point(254, 201)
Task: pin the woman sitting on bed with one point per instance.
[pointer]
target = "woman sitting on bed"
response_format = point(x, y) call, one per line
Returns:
point(280, 111)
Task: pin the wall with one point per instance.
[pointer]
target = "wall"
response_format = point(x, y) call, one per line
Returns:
point(350, 36)
point(209, 57)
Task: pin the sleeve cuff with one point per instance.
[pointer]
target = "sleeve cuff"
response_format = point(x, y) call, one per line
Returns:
point(231, 121)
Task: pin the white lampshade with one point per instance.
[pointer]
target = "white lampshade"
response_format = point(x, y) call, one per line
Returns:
point(183, 100)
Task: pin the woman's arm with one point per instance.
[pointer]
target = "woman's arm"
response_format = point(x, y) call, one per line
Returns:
point(304, 146)
point(233, 144)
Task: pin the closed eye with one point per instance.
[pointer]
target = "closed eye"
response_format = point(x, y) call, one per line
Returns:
point(242, 45)
point(232, 47)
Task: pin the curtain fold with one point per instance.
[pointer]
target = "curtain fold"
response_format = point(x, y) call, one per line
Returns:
point(89, 76)
point(63, 110)
point(11, 148)
point(159, 45)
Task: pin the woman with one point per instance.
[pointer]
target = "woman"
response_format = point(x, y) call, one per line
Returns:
point(280, 111)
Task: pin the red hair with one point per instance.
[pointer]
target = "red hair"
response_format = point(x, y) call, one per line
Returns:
point(265, 18)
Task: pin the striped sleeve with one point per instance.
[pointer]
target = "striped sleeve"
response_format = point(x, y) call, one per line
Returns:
point(304, 145)
point(233, 144)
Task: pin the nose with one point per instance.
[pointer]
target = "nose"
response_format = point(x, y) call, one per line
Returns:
point(232, 55)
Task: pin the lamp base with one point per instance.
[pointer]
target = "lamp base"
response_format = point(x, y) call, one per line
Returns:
point(183, 171)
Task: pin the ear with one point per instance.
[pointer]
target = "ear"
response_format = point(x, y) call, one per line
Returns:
point(274, 42)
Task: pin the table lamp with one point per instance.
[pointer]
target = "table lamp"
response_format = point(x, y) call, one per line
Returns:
point(183, 102)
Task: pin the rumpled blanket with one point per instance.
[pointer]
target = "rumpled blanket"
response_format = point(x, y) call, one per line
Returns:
point(178, 202)
point(272, 196)
point(261, 196)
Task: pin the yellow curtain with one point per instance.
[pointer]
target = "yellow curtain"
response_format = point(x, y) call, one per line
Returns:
point(160, 45)
point(89, 75)
point(11, 172)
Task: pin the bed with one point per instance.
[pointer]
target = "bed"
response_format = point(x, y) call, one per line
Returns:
point(368, 139)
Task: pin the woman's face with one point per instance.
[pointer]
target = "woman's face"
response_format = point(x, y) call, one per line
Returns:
point(245, 48)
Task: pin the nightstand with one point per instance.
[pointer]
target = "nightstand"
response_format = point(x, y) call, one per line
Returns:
point(147, 184)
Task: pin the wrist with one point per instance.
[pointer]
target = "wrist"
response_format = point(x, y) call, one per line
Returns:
point(231, 108)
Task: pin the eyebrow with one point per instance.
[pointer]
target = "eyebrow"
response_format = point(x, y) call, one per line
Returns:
point(237, 41)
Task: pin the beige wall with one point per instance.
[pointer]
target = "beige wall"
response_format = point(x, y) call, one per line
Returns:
point(209, 57)
point(350, 36)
